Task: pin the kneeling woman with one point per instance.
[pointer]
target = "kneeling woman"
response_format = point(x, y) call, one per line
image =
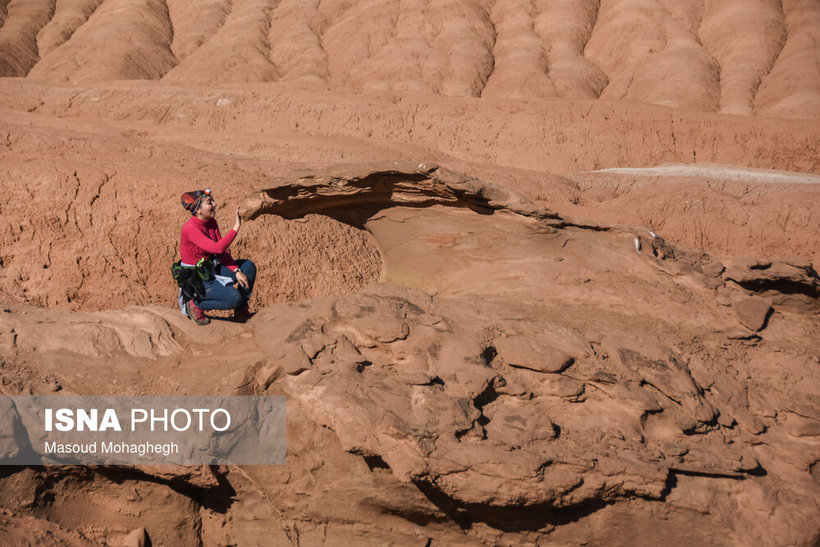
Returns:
point(201, 239)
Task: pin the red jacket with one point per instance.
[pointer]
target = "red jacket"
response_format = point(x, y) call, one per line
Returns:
point(201, 239)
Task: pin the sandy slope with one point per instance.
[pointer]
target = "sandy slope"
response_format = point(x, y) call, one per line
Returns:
point(738, 57)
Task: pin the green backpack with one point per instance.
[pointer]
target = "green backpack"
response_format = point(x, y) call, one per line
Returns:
point(191, 278)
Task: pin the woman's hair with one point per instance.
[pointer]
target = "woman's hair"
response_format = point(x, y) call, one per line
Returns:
point(192, 200)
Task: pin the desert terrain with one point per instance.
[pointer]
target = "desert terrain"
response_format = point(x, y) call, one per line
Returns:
point(530, 273)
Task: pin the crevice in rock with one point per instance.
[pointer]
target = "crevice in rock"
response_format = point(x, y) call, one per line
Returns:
point(567, 223)
point(486, 397)
point(507, 518)
point(375, 462)
point(660, 391)
point(435, 381)
point(645, 416)
point(488, 355)
point(785, 287)
point(217, 499)
point(759, 472)
point(419, 518)
point(671, 484)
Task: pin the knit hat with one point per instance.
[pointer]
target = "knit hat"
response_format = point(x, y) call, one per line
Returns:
point(192, 200)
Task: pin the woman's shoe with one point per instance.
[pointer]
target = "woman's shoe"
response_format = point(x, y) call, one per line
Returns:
point(196, 314)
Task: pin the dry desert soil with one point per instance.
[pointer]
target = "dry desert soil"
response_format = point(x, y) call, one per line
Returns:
point(530, 272)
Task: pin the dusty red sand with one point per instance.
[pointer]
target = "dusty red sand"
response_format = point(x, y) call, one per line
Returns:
point(110, 109)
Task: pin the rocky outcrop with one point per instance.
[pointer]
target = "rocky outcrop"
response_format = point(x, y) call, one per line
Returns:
point(541, 369)
point(514, 377)
point(137, 333)
point(404, 380)
point(793, 284)
point(354, 192)
point(782, 276)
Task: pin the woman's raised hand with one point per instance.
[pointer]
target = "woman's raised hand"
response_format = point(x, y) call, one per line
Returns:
point(238, 222)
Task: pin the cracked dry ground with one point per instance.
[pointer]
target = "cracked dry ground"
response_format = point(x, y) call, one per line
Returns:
point(516, 377)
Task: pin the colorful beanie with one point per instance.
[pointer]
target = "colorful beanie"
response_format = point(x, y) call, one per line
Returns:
point(191, 200)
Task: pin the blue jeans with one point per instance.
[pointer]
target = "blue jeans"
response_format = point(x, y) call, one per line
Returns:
point(225, 297)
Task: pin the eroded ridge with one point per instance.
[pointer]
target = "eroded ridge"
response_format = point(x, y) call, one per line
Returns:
point(736, 57)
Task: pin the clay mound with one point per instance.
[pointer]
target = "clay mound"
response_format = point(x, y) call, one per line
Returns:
point(517, 377)
point(18, 35)
point(746, 38)
point(790, 88)
point(68, 17)
point(123, 39)
point(237, 51)
point(736, 57)
point(194, 23)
